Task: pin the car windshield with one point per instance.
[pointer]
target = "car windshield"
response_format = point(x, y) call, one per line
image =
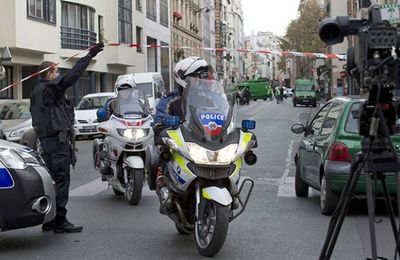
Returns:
point(302, 87)
point(92, 102)
point(14, 110)
point(146, 88)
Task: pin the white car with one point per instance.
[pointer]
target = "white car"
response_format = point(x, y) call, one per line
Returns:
point(15, 118)
point(288, 92)
point(85, 113)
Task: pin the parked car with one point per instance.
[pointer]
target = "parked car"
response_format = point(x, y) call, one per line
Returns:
point(85, 113)
point(27, 191)
point(15, 118)
point(152, 85)
point(324, 156)
point(288, 92)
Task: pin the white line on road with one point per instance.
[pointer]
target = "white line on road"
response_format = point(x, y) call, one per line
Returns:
point(286, 185)
point(95, 187)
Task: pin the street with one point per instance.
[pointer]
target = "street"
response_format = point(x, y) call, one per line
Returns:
point(276, 224)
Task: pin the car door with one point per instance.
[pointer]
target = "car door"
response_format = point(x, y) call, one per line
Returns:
point(323, 140)
point(306, 147)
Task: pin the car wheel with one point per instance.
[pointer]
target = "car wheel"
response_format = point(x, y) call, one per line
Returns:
point(328, 198)
point(300, 186)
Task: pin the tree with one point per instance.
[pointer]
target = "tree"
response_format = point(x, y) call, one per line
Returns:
point(302, 35)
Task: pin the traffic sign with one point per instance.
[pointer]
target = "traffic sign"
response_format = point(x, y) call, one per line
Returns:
point(6, 58)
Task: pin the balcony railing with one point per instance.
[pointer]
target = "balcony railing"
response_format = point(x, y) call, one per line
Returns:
point(74, 38)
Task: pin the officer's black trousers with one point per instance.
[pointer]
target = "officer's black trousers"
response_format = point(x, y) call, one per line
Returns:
point(57, 157)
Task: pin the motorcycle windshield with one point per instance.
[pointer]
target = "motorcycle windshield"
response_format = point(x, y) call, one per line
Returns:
point(207, 108)
point(131, 103)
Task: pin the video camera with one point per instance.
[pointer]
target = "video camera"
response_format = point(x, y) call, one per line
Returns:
point(372, 63)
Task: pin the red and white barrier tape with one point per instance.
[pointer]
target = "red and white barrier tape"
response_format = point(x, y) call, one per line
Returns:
point(133, 45)
point(279, 53)
point(38, 72)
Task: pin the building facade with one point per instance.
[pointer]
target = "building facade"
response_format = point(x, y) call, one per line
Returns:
point(54, 30)
point(265, 65)
point(229, 34)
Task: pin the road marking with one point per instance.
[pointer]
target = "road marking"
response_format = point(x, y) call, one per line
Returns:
point(286, 185)
point(97, 186)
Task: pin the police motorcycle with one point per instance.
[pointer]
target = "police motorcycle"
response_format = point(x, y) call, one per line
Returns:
point(27, 191)
point(199, 185)
point(123, 156)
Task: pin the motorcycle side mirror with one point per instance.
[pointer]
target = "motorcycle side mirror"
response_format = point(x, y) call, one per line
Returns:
point(172, 121)
point(101, 114)
point(248, 124)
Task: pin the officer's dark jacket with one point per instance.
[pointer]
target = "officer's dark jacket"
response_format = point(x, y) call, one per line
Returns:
point(51, 111)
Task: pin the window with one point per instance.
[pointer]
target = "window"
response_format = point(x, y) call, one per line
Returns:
point(164, 12)
point(330, 121)
point(139, 5)
point(125, 21)
point(139, 38)
point(77, 26)
point(151, 11)
point(44, 10)
point(352, 119)
point(319, 119)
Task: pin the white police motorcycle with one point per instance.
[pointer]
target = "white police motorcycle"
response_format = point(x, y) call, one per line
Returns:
point(123, 156)
point(200, 186)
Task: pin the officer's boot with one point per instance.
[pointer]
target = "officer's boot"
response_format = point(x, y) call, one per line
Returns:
point(64, 226)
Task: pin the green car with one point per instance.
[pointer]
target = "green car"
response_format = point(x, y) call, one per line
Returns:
point(324, 156)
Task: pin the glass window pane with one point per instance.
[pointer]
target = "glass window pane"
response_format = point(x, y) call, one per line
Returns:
point(64, 14)
point(31, 8)
point(52, 11)
point(38, 9)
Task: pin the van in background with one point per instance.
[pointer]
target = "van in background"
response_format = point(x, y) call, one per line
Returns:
point(304, 92)
point(152, 85)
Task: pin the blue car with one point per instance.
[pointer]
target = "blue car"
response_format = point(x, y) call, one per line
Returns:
point(27, 191)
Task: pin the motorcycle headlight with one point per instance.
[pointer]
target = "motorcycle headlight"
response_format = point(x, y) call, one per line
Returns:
point(17, 159)
point(19, 131)
point(133, 134)
point(201, 155)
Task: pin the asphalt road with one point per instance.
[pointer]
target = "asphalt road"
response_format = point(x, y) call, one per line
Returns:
point(276, 224)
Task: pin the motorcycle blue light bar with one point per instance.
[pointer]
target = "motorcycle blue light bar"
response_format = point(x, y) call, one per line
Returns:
point(248, 124)
point(172, 121)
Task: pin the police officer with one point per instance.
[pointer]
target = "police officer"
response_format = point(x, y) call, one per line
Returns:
point(53, 119)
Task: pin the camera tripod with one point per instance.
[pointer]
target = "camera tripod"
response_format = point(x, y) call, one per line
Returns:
point(376, 160)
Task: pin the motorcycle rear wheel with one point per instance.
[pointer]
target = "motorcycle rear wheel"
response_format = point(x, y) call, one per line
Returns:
point(211, 230)
point(134, 185)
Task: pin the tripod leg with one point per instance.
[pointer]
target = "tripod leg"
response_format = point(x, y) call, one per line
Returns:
point(371, 214)
point(338, 216)
point(389, 206)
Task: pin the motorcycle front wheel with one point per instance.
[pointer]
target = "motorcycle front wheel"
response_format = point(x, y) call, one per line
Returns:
point(211, 230)
point(134, 185)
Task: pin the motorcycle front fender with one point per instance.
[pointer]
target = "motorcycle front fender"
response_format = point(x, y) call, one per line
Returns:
point(219, 195)
point(135, 162)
